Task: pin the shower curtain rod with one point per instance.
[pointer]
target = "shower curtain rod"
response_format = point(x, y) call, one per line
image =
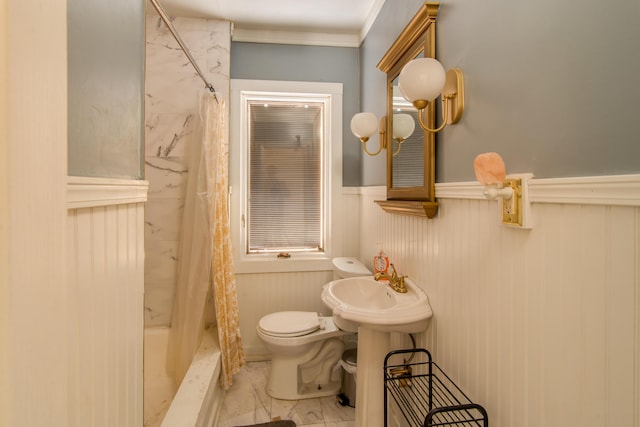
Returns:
point(185, 49)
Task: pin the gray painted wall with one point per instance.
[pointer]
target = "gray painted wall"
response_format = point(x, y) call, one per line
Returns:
point(550, 85)
point(106, 88)
point(263, 61)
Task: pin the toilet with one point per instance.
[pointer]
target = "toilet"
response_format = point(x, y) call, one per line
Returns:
point(306, 347)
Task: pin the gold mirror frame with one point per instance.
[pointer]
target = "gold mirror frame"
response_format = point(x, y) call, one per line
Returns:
point(418, 38)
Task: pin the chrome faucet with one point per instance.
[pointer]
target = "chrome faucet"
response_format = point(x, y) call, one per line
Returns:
point(395, 282)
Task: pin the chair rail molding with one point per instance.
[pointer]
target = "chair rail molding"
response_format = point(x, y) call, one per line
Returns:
point(84, 192)
point(618, 190)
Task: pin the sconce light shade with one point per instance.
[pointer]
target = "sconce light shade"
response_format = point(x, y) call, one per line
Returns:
point(489, 169)
point(403, 126)
point(422, 80)
point(364, 125)
point(513, 190)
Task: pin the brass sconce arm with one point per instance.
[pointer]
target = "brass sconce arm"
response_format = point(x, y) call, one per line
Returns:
point(364, 125)
point(422, 112)
point(380, 147)
point(396, 152)
point(424, 79)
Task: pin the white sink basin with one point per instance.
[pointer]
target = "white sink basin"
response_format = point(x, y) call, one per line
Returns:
point(364, 301)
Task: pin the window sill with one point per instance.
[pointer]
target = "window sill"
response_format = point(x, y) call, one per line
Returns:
point(270, 263)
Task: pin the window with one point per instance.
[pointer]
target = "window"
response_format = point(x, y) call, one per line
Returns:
point(285, 191)
point(285, 173)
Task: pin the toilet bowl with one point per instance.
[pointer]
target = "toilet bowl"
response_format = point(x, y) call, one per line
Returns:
point(306, 347)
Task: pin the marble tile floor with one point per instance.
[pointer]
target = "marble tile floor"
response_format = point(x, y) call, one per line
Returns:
point(247, 402)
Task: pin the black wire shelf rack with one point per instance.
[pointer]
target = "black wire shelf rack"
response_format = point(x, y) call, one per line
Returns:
point(425, 395)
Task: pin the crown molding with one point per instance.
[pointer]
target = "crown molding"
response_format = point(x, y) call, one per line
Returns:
point(251, 35)
point(371, 18)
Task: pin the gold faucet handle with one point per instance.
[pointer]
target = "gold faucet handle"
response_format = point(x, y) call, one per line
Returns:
point(394, 273)
point(401, 286)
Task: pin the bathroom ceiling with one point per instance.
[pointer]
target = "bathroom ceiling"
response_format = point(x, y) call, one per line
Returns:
point(318, 22)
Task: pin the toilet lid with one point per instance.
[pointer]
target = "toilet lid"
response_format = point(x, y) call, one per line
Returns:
point(290, 323)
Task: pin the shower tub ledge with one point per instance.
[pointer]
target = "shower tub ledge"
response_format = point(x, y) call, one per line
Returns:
point(198, 400)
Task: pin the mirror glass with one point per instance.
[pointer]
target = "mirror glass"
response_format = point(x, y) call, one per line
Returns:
point(407, 157)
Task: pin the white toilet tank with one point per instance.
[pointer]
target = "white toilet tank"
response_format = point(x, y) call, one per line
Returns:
point(344, 267)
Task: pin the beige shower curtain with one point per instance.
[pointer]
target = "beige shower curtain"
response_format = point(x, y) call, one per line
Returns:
point(205, 256)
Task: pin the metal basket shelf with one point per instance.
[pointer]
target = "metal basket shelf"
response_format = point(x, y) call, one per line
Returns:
point(425, 395)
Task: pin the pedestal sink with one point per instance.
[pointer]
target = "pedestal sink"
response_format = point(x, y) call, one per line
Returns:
point(373, 309)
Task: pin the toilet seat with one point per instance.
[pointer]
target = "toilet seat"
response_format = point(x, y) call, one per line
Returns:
point(290, 323)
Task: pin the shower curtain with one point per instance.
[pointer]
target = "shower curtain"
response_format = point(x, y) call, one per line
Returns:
point(205, 257)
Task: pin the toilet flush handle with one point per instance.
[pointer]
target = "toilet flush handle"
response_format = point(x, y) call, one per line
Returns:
point(323, 323)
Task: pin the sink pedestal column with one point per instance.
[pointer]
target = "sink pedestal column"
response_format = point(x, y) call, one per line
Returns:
point(373, 346)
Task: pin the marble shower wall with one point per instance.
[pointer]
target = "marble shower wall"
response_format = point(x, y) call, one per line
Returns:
point(172, 91)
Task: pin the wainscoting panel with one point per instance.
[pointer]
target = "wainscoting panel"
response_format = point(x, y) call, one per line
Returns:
point(106, 270)
point(540, 326)
point(264, 293)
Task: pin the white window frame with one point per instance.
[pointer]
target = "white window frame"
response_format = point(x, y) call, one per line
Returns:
point(241, 92)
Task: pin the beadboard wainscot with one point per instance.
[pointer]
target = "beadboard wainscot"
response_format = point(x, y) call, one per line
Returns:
point(106, 270)
point(540, 326)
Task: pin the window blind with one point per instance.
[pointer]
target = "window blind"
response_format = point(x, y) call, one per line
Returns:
point(410, 159)
point(285, 205)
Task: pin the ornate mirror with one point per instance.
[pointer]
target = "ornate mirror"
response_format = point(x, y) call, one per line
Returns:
point(411, 151)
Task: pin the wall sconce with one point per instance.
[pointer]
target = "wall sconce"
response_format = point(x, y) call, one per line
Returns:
point(365, 125)
point(491, 172)
point(423, 79)
point(403, 127)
